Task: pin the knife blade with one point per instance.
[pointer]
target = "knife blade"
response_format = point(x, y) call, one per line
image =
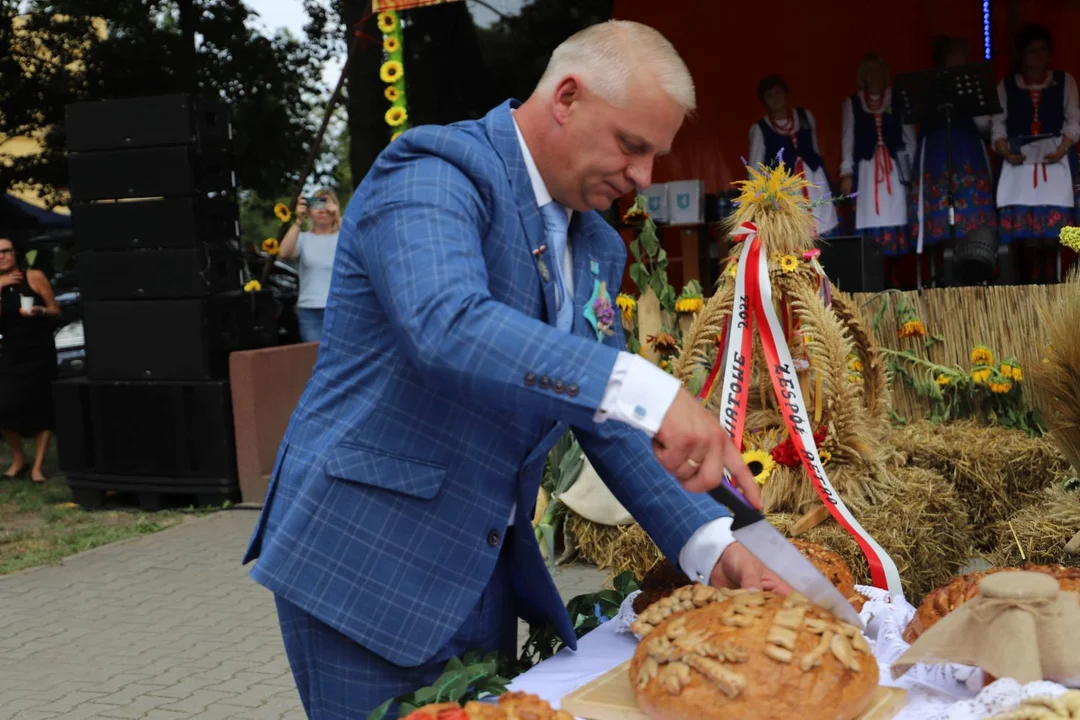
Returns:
point(766, 543)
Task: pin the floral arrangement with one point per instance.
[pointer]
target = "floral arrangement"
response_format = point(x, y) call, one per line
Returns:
point(392, 72)
point(649, 269)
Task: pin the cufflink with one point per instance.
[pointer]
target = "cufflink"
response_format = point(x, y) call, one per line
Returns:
point(639, 412)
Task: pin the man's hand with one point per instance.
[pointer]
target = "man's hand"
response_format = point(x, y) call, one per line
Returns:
point(739, 568)
point(845, 185)
point(693, 447)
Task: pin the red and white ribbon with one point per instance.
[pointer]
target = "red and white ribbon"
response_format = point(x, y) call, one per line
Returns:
point(754, 302)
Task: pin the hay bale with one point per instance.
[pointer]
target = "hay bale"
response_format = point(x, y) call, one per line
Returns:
point(923, 526)
point(1042, 529)
point(995, 471)
point(614, 547)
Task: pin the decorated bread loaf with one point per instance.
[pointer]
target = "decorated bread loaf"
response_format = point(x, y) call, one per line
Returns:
point(512, 706)
point(959, 590)
point(739, 654)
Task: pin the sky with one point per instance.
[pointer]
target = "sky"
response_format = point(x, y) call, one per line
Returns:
point(274, 14)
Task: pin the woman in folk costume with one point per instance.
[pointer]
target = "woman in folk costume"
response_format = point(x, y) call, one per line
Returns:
point(1040, 122)
point(972, 187)
point(876, 158)
point(794, 131)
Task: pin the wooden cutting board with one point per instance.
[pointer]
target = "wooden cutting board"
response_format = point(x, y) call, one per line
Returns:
point(610, 697)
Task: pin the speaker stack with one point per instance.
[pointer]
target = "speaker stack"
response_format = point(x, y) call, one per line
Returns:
point(156, 227)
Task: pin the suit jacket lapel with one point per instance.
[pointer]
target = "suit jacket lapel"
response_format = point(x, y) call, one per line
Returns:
point(500, 128)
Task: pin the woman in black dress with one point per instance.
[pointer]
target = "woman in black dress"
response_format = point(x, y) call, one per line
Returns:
point(27, 361)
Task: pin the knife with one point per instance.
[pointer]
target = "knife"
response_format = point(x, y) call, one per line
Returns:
point(751, 529)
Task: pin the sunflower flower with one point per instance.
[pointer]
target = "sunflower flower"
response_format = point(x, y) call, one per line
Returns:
point(733, 268)
point(981, 375)
point(391, 44)
point(1001, 387)
point(252, 286)
point(761, 465)
point(981, 355)
point(855, 365)
point(1017, 374)
point(825, 456)
point(283, 213)
point(392, 94)
point(789, 263)
point(663, 343)
point(943, 380)
point(627, 304)
point(391, 71)
point(635, 215)
point(689, 304)
point(396, 116)
point(912, 328)
point(387, 22)
point(270, 246)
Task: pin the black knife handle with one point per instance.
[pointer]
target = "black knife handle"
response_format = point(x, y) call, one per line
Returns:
point(742, 513)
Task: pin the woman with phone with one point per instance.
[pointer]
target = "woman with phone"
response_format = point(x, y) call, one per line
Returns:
point(27, 361)
point(315, 248)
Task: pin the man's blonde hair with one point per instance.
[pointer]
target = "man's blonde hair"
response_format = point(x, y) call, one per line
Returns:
point(610, 56)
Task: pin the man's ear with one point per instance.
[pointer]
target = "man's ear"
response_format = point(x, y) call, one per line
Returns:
point(567, 93)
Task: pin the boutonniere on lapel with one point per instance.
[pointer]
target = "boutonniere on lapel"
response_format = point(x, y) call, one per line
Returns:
point(599, 310)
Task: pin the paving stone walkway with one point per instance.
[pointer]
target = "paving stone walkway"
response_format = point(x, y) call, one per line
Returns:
point(165, 627)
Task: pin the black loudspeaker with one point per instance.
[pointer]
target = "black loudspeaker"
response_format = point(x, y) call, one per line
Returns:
point(148, 173)
point(853, 263)
point(145, 430)
point(168, 222)
point(175, 339)
point(158, 273)
point(147, 122)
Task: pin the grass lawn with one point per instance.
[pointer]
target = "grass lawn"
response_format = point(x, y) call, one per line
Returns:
point(40, 525)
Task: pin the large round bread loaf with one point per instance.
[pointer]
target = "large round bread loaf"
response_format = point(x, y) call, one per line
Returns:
point(742, 655)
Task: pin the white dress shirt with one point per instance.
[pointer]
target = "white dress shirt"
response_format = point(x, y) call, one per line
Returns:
point(639, 394)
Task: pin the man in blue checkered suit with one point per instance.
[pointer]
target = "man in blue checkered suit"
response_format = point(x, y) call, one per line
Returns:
point(462, 337)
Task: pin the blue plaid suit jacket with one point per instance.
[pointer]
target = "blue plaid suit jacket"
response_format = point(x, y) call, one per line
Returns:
point(430, 412)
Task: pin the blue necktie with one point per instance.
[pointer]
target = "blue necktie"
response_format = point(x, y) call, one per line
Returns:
point(557, 226)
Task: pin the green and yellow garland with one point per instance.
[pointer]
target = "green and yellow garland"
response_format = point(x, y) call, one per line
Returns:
point(392, 73)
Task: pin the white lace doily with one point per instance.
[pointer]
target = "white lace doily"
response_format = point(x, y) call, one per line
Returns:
point(936, 692)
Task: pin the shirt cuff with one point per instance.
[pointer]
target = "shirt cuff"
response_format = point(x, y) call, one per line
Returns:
point(704, 548)
point(638, 393)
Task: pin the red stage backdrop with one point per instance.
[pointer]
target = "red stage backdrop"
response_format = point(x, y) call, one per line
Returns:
point(816, 46)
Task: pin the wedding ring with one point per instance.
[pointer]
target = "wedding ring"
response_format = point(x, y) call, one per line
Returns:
point(693, 463)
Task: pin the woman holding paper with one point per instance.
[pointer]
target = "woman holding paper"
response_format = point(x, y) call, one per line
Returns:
point(1040, 122)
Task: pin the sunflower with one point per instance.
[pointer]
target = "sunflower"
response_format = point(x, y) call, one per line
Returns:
point(982, 355)
point(761, 464)
point(391, 44)
point(635, 216)
point(733, 268)
point(626, 304)
point(663, 343)
point(283, 213)
point(391, 71)
point(825, 455)
point(253, 286)
point(943, 380)
point(689, 304)
point(392, 94)
point(855, 365)
point(395, 136)
point(387, 22)
point(396, 116)
point(1000, 388)
point(912, 328)
point(1017, 374)
point(270, 246)
point(789, 263)
point(981, 375)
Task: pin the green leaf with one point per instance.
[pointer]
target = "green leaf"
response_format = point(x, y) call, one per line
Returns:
point(549, 542)
point(407, 707)
point(424, 695)
point(380, 712)
point(625, 583)
point(640, 277)
point(472, 657)
point(454, 664)
point(649, 241)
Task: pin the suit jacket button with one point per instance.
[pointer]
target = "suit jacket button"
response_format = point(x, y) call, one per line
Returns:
point(545, 382)
point(559, 387)
point(572, 389)
point(493, 538)
point(530, 378)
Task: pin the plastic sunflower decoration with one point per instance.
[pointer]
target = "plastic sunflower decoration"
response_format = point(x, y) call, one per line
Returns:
point(252, 286)
point(387, 22)
point(788, 263)
point(270, 246)
point(396, 116)
point(761, 465)
point(392, 94)
point(391, 71)
point(281, 210)
point(391, 44)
